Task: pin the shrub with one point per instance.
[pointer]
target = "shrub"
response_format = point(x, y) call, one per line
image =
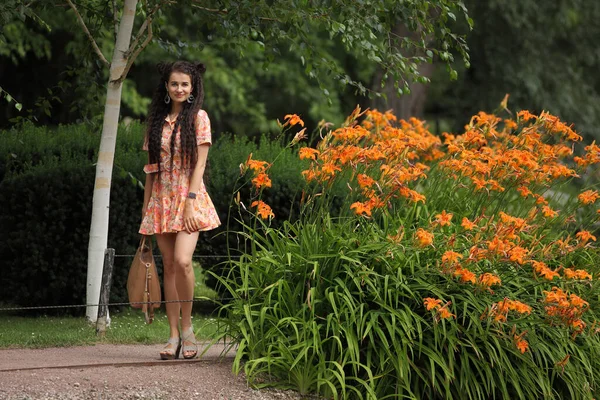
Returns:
point(454, 270)
point(45, 223)
point(45, 209)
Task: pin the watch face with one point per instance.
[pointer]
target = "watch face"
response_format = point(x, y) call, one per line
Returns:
point(192, 195)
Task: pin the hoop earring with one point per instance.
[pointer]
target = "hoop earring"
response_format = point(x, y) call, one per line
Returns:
point(167, 98)
point(190, 99)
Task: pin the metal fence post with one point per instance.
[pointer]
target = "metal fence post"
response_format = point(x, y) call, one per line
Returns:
point(109, 259)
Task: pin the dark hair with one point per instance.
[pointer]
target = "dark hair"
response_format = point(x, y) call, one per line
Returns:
point(186, 121)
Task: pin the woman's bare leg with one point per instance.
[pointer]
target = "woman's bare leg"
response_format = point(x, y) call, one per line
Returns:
point(166, 244)
point(185, 244)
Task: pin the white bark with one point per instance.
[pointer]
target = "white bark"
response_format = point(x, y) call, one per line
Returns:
point(101, 200)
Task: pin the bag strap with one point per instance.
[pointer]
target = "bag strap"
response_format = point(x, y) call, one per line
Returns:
point(146, 241)
point(149, 309)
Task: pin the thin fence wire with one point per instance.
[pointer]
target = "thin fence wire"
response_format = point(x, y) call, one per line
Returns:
point(124, 304)
point(199, 256)
point(110, 304)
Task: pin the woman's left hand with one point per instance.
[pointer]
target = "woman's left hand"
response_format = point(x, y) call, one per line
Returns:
point(189, 222)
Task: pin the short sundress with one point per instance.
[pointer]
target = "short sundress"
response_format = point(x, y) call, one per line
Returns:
point(164, 213)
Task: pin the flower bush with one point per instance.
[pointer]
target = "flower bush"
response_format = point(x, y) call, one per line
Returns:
point(457, 268)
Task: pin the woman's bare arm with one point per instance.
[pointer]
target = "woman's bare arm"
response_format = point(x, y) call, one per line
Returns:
point(190, 224)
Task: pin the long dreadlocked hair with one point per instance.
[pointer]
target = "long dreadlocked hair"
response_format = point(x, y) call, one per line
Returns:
point(187, 117)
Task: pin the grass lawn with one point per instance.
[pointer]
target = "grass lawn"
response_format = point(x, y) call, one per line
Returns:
point(126, 327)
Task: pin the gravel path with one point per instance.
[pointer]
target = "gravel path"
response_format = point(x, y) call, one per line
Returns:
point(122, 372)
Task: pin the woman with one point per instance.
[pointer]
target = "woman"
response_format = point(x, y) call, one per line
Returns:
point(176, 205)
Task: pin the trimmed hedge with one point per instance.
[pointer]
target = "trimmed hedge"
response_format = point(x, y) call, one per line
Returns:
point(45, 223)
point(46, 187)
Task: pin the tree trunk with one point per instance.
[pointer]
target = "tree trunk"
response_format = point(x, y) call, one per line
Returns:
point(101, 199)
point(408, 105)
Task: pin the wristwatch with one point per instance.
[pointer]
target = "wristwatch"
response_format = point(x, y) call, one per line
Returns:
point(191, 195)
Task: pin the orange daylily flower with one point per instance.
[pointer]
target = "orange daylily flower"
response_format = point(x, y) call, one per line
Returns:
point(423, 237)
point(585, 236)
point(488, 279)
point(307, 153)
point(468, 225)
point(293, 119)
point(549, 274)
point(526, 115)
point(264, 210)
point(465, 275)
point(578, 325)
point(262, 180)
point(571, 273)
point(451, 257)
point(500, 309)
point(443, 219)
point(309, 175)
point(577, 301)
point(361, 208)
point(525, 192)
point(330, 168)
point(431, 303)
point(518, 254)
point(365, 181)
point(566, 310)
point(521, 344)
point(548, 212)
point(588, 197)
point(555, 296)
point(510, 124)
point(519, 307)
point(256, 165)
point(518, 223)
point(554, 124)
point(444, 313)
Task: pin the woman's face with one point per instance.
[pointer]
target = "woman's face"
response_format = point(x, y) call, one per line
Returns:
point(179, 86)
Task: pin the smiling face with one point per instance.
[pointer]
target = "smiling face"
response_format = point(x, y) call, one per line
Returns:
point(179, 86)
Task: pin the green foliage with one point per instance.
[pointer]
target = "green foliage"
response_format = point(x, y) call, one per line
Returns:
point(10, 99)
point(300, 50)
point(340, 306)
point(545, 58)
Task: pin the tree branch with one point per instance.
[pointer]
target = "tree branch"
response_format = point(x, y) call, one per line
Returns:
point(89, 35)
point(133, 56)
point(214, 10)
point(148, 20)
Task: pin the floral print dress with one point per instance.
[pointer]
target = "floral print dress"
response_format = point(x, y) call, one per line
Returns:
point(164, 213)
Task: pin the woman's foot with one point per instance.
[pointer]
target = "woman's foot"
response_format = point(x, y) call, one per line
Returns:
point(171, 350)
point(190, 346)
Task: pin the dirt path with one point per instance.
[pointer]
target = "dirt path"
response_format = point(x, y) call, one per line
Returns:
point(122, 372)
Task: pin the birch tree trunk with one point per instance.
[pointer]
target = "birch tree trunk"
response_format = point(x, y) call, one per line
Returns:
point(101, 199)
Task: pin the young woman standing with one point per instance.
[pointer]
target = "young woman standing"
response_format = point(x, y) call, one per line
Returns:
point(176, 204)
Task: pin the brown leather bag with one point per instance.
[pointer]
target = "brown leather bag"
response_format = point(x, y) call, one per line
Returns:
point(143, 286)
